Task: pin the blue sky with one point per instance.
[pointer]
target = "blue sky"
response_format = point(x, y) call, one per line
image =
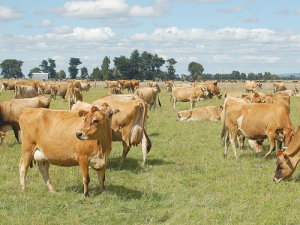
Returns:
point(223, 35)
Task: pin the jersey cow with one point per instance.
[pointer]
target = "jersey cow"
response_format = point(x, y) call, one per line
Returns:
point(189, 94)
point(250, 86)
point(25, 91)
point(279, 87)
point(66, 140)
point(10, 110)
point(149, 95)
point(73, 95)
point(212, 88)
point(256, 122)
point(287, 160)
point(8, 85)
point(58, 89)
point(208, 113)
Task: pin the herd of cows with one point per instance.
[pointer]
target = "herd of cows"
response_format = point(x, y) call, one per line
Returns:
point(123, 117)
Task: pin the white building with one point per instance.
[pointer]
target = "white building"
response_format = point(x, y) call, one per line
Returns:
point(39, 76)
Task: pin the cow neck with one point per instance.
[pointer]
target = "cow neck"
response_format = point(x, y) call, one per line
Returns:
point(105, 141)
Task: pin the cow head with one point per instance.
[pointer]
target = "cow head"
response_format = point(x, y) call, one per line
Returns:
point(259, 85)
point(97, 123)
point(284, 168)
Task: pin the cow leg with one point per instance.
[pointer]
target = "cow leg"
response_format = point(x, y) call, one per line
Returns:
point(227, 143)
point(272, 145)
point(241, 140)
point(86, 177)
point(126, 149)
point(16, 132)
point(279, 144)
point(174, 103)
point(192, 104)
point(24, 164)
point(44, 170)
point(101, 177)
point(233, 143)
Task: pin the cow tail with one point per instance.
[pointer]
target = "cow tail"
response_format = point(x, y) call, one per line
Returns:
point(158, 101)
point(149, 144)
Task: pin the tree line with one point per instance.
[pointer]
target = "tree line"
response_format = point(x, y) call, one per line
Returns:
point(140, 66)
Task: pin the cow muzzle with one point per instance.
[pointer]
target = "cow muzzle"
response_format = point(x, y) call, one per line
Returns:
point(277, 180)
point(80, 135)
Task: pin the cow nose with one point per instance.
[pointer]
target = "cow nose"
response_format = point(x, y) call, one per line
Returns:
point(79, 135)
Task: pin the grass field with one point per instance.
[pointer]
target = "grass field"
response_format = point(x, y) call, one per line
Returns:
point(186, 179)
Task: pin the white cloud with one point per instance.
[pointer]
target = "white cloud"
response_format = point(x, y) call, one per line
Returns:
point(62, 30)
point(261, 59)
point(9, 13)
point(107, 9)
point(46, 23)
point(221, 59)
point(251, 20)
point(234, 9)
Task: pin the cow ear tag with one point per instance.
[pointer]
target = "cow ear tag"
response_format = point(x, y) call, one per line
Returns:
point(83, 118)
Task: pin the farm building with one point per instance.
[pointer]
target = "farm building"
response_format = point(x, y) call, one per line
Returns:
point(39, 76)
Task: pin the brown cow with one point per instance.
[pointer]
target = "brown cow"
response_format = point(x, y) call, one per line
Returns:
point(153, 85)
point(149, 95)
point(287, 160)
point(113, 83)
point(85, 86)
point(58, 89)
point(134, 84)
point(279, 87)
point(250, 86)
point(115, 90)
point(189, 94)
point(10, 110)
point(129, 124)
point(73, 95)
point(7, 85)
point(278, 99)
point(126, 84)
point(256, 122)
point(65, 140)
point(212, 88)
point(25, 91)
point(208, 113)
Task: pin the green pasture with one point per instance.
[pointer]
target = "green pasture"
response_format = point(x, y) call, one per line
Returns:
point(186, 179)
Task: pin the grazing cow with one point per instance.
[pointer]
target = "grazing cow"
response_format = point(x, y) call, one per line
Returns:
point(149, 95)
point(58, 89)
point(126, 84)
point(10, 110)
point(279, 87)
point(115, 90)
point(73, 95)
point(256, 122)
point(66, 140)
point(289, 92)
point(134, 84)
point(189, 94)
point(113, 83)
point(25, 91)
point(287, 160)
point(153, 85)
point(129, 125)
point(209, 113)
point(44, 88)
point(212, 88)
point(7, 85)
point(250, 86)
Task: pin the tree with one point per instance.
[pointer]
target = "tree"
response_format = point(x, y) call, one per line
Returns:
point(171, 69)
point(11, 68)
point(196, 70)
point(135, 61)
point(123, 65)
point(34, 70)
point(157, 63)
point(106, 72)
point(84, 73)
point(96, 74)
point(62, 74)
point(44, 66)
point(73, 71)
point(51, 68)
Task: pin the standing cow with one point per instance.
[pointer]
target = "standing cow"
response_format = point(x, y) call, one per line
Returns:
point(250, 86)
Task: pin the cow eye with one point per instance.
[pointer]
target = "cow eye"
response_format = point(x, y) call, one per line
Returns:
point(95, 121)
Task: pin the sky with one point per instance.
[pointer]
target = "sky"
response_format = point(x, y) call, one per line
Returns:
point(222, 35)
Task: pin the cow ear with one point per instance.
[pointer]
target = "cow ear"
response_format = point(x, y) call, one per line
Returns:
point(82, 113)
point(94, 109)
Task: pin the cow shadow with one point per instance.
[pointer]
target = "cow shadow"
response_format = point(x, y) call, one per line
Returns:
point(154, 134)
point(133, 165)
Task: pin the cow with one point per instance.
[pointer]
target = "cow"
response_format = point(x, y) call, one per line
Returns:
point(212, 88)
point(250, 86)
point(278, 99)
point(126, 84)
point(129, 125)
point(279, 87)
point(58, 89)
point(75, 83)
point(208, 113)
point(287, 160)
point(7, 85)
point(149, 95)
point(153, 85)
point(113, 83)
point(169, 87)
point(73, 95)
point(66, 140)
point(43, 88)
point(134, 84)
point(10, 110)
point(256, 122)
point(189, 94)
point(289, 92)
point(115, 90)
point(85, 86)
point(25, 91)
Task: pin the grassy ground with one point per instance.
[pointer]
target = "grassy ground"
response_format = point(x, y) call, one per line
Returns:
point(186, 180)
